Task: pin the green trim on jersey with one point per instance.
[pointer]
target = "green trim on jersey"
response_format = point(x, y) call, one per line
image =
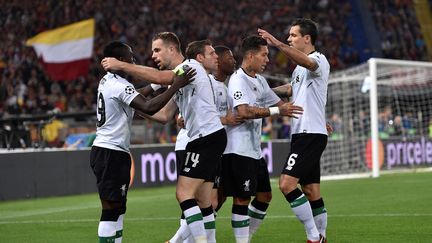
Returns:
point(119, 234)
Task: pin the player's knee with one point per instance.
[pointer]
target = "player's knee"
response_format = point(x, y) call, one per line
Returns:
point(110, 214)
point(242, 200)
point(285, 186)
point(264, 197)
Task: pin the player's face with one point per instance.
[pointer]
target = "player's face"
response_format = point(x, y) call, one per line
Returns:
point(296, 39)
point(227, 63)
point(260, 59)
point(161, 54)
point(210, 60)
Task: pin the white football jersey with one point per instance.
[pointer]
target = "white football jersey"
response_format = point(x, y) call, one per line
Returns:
point(114, 115)
point(309, 90)
point(245, 138)
point(197, 103)
point(221, 93)
point(222, 107)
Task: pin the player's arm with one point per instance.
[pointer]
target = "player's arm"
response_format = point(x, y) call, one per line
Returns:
point(231, 119)
point(283, 91)
point(149, 89)
point(164, 115)
point(141, 72)
point(297, 56)
point(284, 109)
point(150, 107)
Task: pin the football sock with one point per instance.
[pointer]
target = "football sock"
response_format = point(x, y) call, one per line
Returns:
point(302, 209)
point(240, 223)
point(119, 229)
point(108, 225)
point(257, 212)
point(209, 224)
point(320, 215)
point(194, 220)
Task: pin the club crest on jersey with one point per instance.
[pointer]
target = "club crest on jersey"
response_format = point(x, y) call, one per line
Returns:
point(129, 89)
point(238, 95)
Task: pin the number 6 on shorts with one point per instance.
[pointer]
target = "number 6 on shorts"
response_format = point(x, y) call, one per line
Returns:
point(291, 161)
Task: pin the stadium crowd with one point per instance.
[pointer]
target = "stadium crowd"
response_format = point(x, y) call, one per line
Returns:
point(25, 88)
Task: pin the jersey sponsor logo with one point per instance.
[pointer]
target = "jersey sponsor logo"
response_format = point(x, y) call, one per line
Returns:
point(291, 161)
point(238, 95)
point(129, 90)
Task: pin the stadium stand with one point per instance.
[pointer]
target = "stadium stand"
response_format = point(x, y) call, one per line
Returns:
point(26, 89)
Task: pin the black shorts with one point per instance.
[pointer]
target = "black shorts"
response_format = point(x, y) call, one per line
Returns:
point(112, 171)
point(180, 160)
point(303, 162)
point(244, 176)
point(217, 179)
point(203, 156)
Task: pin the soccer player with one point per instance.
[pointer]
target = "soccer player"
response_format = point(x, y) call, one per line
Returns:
point(245, 171)
point(109, 157)
point(207, 138)
point(226, 66)
point(309, 135)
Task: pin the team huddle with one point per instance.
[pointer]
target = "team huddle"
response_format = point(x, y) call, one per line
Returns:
point(218, 148)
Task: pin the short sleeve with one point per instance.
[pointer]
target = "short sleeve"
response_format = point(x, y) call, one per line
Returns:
point(125, 92)
point(237, 91)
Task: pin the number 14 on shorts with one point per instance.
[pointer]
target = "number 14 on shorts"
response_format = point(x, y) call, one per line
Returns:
point(194, 158)
point(291, 161)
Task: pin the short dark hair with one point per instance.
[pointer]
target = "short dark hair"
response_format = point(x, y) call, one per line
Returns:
point(168, 38)
point(116, 49)
point(196, 47)
point(252, 43)
point(307, 27)
point(221, 49)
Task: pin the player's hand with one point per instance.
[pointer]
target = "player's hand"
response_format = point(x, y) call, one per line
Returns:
point(271, 40)
point(180, 122)
point(329, 129)
point(291, 110)
point(185, 78)
point(232, 119)
point(111, 64)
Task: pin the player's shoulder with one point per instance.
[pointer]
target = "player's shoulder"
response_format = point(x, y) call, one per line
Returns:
point(114, 83)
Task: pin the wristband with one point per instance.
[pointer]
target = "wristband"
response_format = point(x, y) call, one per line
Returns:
point(155, 86)
point(274, 111)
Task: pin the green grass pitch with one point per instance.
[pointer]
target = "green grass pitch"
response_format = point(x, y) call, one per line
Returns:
point(392, 208)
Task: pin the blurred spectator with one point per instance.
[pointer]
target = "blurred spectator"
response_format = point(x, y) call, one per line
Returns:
point(25, 89)
point(267, 129)
point(284, 130)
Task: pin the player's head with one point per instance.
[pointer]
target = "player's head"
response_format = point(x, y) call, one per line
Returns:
point(119, 50)
point(164, 46)
point(255, 53)
point(203, 52)
point(303, 33)
point(226, 61)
